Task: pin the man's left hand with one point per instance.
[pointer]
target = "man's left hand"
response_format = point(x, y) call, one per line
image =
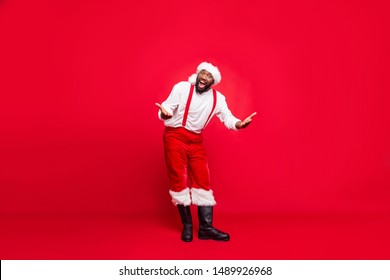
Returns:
point(246, 122)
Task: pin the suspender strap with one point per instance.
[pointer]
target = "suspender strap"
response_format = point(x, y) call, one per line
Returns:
point(212, 110)
point(189, 103)
point(188, 106)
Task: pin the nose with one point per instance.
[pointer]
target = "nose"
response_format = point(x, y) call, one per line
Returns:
point(204, 76)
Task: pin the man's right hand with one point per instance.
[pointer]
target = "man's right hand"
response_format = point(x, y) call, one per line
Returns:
point(164, 114)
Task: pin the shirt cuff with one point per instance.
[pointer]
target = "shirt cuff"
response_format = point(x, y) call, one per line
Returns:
point(232, 123)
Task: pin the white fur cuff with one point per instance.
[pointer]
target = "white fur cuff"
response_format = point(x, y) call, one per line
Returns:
point(182, 197)
point(202, 197)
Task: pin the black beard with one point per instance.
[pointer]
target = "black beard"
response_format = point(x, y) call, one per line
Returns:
point(201, 90)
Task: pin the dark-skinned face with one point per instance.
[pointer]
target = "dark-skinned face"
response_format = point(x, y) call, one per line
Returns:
point(204, 80)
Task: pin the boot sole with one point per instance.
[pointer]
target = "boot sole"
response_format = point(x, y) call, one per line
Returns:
point(210, 238)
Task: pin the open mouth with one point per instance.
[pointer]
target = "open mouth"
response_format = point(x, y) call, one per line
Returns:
point(202, 84)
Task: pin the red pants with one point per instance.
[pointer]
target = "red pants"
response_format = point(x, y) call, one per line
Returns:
point(185, 154)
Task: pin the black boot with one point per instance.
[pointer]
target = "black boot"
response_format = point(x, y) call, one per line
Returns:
point(186, 219)
point(206, 230)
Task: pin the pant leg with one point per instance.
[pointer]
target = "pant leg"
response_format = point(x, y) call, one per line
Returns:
point(175, 151)
point(198, 170)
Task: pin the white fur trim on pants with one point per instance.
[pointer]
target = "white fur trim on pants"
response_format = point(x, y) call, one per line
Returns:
point(202, 197)
point(182, 197)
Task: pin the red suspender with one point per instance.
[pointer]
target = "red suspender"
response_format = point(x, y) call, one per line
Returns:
point(189, 102)
point(212, 110)
point(187, 106)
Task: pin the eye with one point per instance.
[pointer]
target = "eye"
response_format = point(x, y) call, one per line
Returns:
point(206, 74)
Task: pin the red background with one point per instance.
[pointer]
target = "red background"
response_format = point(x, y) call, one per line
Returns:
point(80, 138)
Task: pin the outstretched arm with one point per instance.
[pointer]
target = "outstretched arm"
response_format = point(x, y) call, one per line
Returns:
point(246, 122)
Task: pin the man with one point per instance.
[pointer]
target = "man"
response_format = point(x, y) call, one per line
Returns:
point(185, 113)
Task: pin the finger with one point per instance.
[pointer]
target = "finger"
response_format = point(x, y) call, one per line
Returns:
point(254, 114)
point(165, 112)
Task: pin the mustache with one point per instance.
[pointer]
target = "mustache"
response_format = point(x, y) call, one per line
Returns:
point(204, 81)
point(201, 90)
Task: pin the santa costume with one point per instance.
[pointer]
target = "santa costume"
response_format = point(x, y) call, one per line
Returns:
point(184, 151)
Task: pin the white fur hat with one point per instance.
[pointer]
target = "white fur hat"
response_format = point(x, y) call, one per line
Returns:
point(209, 68)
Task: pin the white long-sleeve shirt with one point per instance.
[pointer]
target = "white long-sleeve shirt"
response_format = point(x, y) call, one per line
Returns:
point(200, 108)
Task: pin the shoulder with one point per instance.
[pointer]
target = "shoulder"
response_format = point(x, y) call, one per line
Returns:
point(182, 85)
point(220, 96)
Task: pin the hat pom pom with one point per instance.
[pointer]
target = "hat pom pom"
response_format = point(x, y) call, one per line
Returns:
point(192, 79)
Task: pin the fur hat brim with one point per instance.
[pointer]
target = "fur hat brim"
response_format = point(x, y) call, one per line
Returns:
point(213, 70)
